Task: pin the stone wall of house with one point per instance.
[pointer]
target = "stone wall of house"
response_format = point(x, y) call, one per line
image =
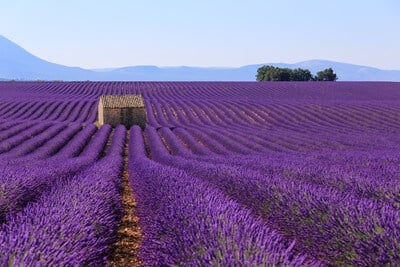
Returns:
point(125, 116)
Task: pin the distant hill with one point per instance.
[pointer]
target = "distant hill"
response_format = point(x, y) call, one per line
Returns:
point(17, 63)
point(345, 71)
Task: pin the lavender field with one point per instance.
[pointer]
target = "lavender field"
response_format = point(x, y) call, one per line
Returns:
point(224, 174)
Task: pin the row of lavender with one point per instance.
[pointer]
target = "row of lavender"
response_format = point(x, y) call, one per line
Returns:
point(76, 101)
point(43, 166)
point(44, 110)
point(60, 185)
point(319, 160)
point(341, 208)
point(187, 221)
point(342, 91)
point(322, 172)
point(61, 205)
point(74, 221)
point(287, 125)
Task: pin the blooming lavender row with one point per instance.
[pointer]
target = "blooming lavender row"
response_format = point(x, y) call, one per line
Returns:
point(188, 222)
point(6, 124)
point(54, 144)
point(98, 143)
point(74, 224)
point(299, 209)
point(362, 175)
point(317, 161)
point(343, 91)
point(76, 145)
point(224, 102)
point(67, 144)
point(19, 109)
point(296, 116)
point(21, 185)
point(11, 128)
point(75, 113)
point(57, 111)
point(24, 182)
point(13, 141)
point(34, 142)
point(376, 181)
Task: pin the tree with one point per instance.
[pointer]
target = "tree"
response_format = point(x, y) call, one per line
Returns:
point(271, 73)
point(326, 75)
point(265, 73)
point(282, 74)
point(301, 75)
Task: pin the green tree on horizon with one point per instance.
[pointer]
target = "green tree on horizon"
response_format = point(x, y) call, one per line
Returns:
point(326, 75)
point(301, 75)
point(271, 73)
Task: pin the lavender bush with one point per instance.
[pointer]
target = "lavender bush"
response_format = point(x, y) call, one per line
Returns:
point(228, 173)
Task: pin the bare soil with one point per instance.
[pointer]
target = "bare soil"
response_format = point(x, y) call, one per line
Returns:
point(125, 250)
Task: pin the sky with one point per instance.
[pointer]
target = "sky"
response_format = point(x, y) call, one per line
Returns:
point(219, 33)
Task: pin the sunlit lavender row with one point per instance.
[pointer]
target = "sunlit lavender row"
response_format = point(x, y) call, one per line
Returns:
point(225, 173)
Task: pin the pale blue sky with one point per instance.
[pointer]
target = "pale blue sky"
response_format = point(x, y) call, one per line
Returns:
point(114, 33)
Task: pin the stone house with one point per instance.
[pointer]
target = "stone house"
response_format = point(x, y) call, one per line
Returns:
point(122, 109)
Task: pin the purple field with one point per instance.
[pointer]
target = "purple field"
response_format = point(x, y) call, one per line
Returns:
point(224, 174)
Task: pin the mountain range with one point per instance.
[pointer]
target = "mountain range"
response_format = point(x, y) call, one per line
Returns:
point(18, 64)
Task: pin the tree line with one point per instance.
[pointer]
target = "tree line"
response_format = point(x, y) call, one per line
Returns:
point(271, 73)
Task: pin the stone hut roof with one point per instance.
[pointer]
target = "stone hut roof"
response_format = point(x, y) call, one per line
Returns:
point(122, 101)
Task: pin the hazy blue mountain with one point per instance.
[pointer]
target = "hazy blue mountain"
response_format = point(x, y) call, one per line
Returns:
point(345, 71)
point(183, 73)
point(17, 63)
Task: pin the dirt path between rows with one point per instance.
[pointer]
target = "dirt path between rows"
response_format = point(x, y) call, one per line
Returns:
point(125, 250)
